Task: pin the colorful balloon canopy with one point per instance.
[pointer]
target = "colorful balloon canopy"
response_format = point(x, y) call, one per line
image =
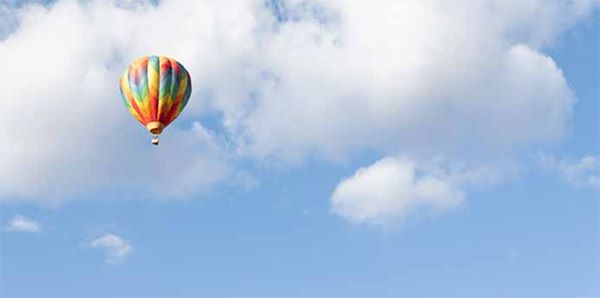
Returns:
point(155, 90)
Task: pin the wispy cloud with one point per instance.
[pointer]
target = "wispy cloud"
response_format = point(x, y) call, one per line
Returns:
point(115, 248)
point(20, 223)
point(578, 172)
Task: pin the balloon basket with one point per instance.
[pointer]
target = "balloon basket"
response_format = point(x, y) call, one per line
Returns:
point(155, 140)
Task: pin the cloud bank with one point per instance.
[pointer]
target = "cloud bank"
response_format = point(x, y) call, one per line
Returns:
point(412, 76)
point(274, 81)
point(67, 131)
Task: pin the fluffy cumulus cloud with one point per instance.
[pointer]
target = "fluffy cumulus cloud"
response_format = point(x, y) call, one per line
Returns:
point(581, 172)
point(68, 131)
point(115, 248)
point(23, 224)
point(392, 189)
point(410, 75)
point(285, 81)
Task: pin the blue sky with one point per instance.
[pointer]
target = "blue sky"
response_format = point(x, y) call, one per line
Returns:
point(285, 211)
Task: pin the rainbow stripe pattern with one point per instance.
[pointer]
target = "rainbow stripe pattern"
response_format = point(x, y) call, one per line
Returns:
point(155, 89)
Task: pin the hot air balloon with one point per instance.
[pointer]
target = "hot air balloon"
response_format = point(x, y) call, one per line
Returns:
point(155, 89)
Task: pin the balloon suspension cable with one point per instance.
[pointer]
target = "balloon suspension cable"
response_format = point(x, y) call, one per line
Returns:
point(155, 140)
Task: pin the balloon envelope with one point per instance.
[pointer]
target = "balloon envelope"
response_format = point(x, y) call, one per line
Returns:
point(155, 89)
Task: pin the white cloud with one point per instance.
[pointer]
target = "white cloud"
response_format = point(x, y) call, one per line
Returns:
point(424, 77)
point(393, 189)
point(20, 223)
point(466, 80)
point(582, 172)
point(68, 131)
point(115, 248)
